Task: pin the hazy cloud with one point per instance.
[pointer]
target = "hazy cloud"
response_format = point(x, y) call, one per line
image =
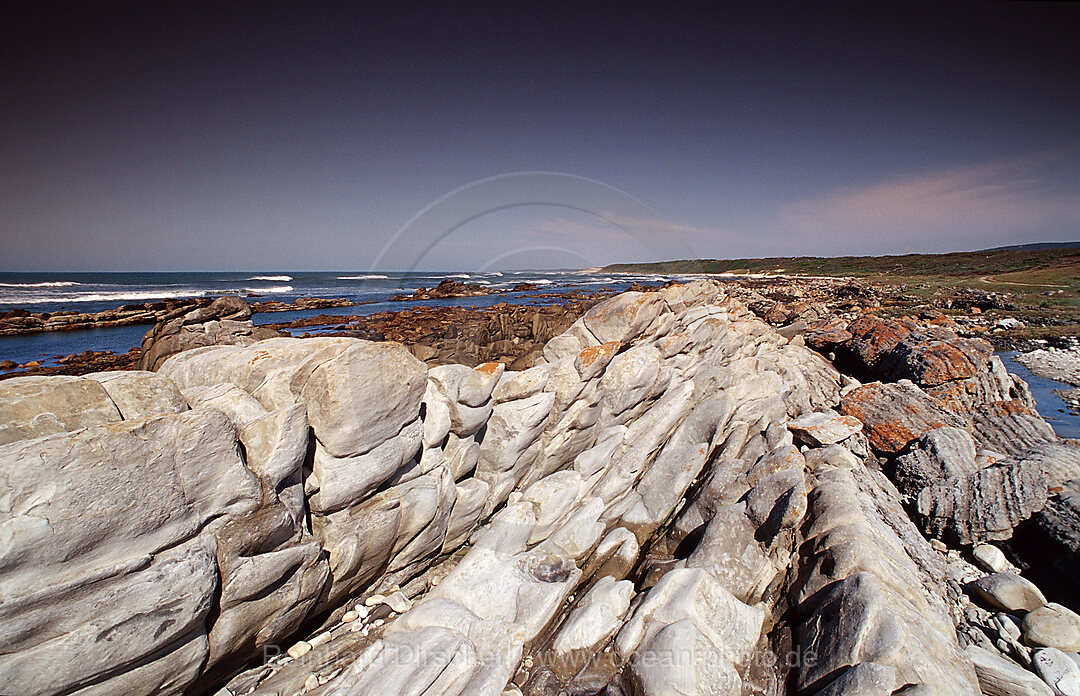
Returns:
point(968, 207)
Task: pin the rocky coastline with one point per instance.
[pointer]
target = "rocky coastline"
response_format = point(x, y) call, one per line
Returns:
point(20, 321)
point(666, 494)
point(449, 288)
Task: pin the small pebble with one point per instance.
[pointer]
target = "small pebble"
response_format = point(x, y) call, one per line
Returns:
point(318, 640)
point(1008, 626)
point(990, 558)
point(300, 649)
point(399, 602)
point(312, 682)
point(350, 616)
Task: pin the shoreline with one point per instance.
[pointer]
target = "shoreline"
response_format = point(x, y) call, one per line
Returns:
point(788, 302)
point(21, 322)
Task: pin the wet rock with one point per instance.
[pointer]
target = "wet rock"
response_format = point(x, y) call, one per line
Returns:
point(450, 288)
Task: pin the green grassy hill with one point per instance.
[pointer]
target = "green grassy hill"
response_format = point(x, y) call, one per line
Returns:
point(1049, 264)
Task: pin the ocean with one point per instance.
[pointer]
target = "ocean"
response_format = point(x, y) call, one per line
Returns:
point(95, 292)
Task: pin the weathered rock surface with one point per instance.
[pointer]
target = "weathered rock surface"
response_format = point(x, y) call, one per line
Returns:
point(1000, 676)
point(895, 415)
point(40, 406)
point(225, 321)
point(674, 500)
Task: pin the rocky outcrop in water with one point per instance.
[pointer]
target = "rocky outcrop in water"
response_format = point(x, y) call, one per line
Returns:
point(450, 288)
point(20, 321)
point(674, 499)
point(225, 321)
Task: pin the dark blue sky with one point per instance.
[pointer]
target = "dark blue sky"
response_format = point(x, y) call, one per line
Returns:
point(305, 136)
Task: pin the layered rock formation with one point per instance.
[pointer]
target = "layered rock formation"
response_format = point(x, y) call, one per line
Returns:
point(675, 499)
point(226, 320)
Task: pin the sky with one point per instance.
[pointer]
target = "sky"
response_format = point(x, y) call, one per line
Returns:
point(315, 135)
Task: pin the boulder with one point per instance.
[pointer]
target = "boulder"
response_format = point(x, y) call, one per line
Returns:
point(895, 415)
point(623, 317)
point(1052, 626)
point(823, 428)
point(1007, 592)
point(363, 397)
point(1058, 670)
point(990, 558)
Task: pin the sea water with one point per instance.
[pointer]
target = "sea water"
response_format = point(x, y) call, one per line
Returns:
point(95, 292)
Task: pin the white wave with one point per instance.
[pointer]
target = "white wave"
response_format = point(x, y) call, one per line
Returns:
point(52, 284)
point(102, 297)
point(496, 273)
point(277, 289)
point(483, 282)
point(459, 275)
point(540, 281)
point(279, 278)
point(364, 277)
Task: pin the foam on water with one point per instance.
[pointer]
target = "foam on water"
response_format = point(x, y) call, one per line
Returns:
point(275, 290)
point(50, 284)
point(106, 297)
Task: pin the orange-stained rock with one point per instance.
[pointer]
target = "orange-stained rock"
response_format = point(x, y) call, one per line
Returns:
point(590, 354)
point(895, 415)
point(592, 360)
point(825, 334)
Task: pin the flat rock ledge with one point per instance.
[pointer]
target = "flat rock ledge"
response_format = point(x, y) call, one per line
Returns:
point(674, 499)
